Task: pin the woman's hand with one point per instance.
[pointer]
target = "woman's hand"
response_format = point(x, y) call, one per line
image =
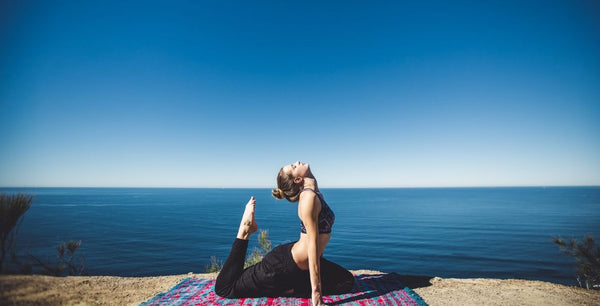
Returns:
point(317, 300)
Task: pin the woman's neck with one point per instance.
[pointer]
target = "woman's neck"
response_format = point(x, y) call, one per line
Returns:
point(311, 183)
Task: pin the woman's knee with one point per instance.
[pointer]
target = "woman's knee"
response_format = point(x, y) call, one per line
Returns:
point(344, 283)
point(222, 289)
point(348, 283)
point(339, 285)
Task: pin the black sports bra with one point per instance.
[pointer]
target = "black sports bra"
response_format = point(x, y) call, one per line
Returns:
point(326, 216)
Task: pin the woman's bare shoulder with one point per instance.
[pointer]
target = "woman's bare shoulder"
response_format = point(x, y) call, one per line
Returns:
point(307, 205)
point(307, 194)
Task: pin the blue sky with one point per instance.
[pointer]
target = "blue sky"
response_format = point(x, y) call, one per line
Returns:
point(222, 94)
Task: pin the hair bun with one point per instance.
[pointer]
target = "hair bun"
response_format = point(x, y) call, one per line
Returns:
point(278, 193)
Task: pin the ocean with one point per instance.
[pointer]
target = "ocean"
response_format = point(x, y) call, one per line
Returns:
point(499, 232)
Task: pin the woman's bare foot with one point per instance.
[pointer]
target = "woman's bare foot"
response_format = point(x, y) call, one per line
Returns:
point(248, 223)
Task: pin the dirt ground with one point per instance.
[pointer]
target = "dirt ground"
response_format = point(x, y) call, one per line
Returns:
point(112, 290)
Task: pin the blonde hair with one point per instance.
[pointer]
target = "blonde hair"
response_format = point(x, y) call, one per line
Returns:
point(286, 188)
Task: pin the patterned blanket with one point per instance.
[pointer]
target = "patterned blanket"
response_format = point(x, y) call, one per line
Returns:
point(380, 289)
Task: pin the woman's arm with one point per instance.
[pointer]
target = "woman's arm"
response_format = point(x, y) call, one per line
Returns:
point(309, 214)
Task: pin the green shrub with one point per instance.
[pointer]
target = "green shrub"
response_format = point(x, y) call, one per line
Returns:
point(258, 253)
point(214, 266)
point(12, 209)
point(67, 263)
point(255, 257)
point(587, 255)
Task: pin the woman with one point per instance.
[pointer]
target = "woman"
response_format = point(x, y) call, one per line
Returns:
point(296, 268)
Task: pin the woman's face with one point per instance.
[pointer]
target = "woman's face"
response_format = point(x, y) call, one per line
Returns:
point(298, 169)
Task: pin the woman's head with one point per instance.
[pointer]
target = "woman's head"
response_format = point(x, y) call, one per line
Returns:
point(290, 181)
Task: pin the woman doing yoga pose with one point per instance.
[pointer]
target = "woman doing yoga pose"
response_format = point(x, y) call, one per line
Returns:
point(296, 268)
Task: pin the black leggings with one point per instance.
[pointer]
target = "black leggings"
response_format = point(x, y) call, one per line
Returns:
point(276, 274)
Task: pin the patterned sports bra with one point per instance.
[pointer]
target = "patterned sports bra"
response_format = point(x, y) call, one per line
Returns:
point(326, 216)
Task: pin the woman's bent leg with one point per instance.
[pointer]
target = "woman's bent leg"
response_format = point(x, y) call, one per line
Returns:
point(232, 269)
point(273, 276)
point(335, 279)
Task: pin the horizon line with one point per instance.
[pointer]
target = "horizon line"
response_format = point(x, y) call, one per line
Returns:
point(356, 187)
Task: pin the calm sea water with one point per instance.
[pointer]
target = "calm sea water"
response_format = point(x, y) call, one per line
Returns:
point(446, 232)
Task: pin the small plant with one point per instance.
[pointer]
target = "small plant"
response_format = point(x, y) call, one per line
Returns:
point(258, 253)
point(67, 262)
point(12, 209)
point(214, 266)
point(255, 257)
point(587, 254)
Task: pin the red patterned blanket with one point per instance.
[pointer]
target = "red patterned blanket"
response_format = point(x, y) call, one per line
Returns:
point(381, 289)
